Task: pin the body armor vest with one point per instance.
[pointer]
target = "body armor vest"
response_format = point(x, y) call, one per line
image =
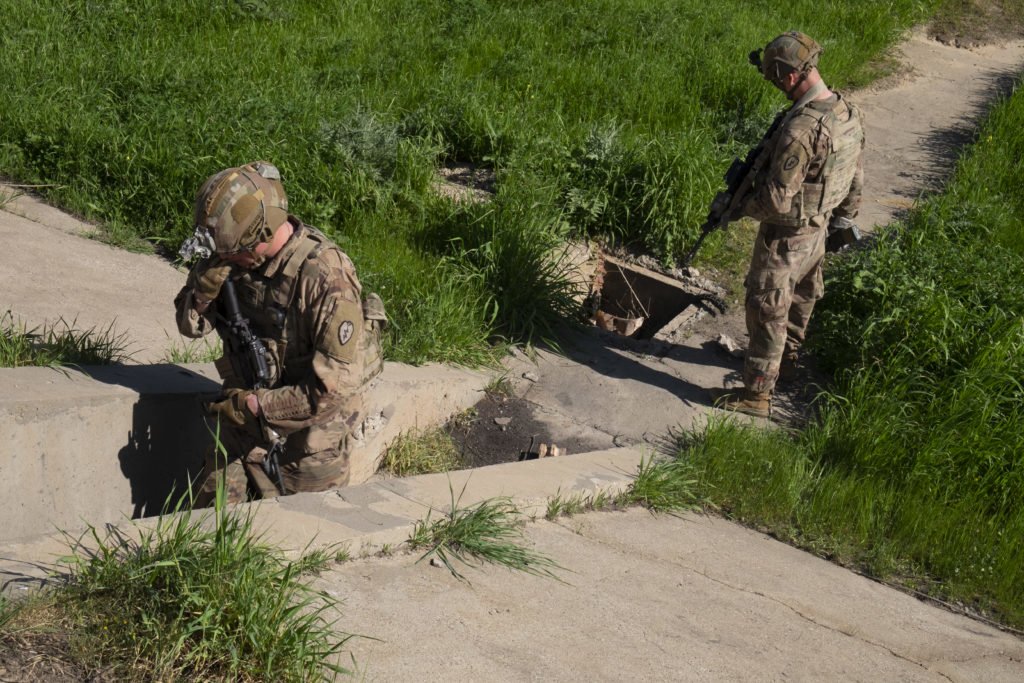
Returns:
point(844, 138)
point(267, 302)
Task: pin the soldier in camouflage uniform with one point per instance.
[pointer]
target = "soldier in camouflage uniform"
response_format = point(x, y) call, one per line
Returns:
point(809, 185)
point(303, 300)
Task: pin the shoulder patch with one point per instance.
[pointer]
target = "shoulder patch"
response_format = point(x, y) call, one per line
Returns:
point(790, 163)
point(342, 331)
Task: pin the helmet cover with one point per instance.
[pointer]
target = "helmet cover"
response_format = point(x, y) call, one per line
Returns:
point(242, 206)
point(796, 50)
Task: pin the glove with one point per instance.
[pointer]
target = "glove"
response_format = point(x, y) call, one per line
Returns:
point(231, 408)
point(207, 278)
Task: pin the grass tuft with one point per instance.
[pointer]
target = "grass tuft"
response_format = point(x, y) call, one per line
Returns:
point(60, 343)
point(205, 350)
point(9, 609)
point(420, 452)
point(187, 601)
point(488, 532)
point(664, 485)
point(577, 503)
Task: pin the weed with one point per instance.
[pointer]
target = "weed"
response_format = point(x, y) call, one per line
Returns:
point(577, 503)
point(420, 452)
point(668, 485)
point(55, 344)
point(205, 350)
point(8, 611)
point(500, 387)
point(186, 601)
point(486, 532)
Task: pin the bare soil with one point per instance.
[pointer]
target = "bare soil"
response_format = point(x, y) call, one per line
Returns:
point(485, 438)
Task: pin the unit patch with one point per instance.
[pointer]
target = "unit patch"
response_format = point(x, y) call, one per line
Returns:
point(345, 331)
point(790, 163)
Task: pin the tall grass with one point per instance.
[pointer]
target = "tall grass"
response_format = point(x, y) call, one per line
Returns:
point(194, 601)
point(916, 463)
point(612, 118)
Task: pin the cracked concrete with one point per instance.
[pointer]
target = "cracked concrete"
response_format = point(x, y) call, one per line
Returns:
point(656, 598)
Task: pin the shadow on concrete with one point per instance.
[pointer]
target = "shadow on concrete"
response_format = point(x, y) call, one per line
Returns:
point(163, 454)
point(164, 449)
point(614, 356)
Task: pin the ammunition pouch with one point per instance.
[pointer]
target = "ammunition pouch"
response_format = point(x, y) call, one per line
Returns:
point(375, 321)
point(842, 232)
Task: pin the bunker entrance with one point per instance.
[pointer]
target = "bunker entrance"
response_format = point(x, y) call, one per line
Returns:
point(640, 303)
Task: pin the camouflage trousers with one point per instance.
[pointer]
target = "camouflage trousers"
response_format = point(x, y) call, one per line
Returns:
point(314, 459)
point(783, 284)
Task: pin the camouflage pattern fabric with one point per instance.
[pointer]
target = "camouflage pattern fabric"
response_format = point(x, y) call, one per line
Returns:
point(784, 280)
point(305, 304)
point(241, 206)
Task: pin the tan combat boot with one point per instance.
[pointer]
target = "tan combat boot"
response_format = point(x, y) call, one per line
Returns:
point(742, 400)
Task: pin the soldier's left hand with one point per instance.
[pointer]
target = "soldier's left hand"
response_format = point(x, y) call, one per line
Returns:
point(232, 407)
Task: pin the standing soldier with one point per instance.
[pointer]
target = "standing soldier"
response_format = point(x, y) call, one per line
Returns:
point(808, 190)
point(311, 346)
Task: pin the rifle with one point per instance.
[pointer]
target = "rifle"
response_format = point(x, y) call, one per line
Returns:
point(738, 180)
point(240, 342)
point(741, 174)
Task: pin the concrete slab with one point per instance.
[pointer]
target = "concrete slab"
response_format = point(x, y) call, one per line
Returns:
point(655, 598)
point(102, 444)
point(366, 517)
point(89, 285)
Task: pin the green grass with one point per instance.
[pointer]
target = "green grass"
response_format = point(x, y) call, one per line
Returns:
point(612, 119)
point(197, 600)
point(664, 485)
point(914, 467)
point(488, 532)
point(60, 343)
point(9, 609)
point(567, 505)
point(203, 350)
point(420, 452)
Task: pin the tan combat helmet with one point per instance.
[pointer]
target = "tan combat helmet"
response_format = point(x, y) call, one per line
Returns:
point(796, 50)
point(241, 207)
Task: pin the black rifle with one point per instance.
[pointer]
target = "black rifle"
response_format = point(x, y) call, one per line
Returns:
point(242, 344)
point(738, 181)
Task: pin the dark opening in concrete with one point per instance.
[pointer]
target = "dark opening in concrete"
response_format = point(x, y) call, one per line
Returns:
point(638, 302)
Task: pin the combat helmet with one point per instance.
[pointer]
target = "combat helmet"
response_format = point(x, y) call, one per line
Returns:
point(796, 50)
point(241, 207)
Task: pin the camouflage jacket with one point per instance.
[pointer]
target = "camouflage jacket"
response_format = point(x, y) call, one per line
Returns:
point(815, 166)
point(305, 304)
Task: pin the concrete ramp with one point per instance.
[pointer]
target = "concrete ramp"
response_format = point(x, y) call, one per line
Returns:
point(102, 444)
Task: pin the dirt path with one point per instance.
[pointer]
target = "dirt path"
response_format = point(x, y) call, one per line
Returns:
point(918, 121)
point(606, 390)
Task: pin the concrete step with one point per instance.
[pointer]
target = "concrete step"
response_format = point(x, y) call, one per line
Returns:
point(102, 444)
point(367, 517)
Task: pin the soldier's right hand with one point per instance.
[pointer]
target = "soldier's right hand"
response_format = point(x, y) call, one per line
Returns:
point(207, 277)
